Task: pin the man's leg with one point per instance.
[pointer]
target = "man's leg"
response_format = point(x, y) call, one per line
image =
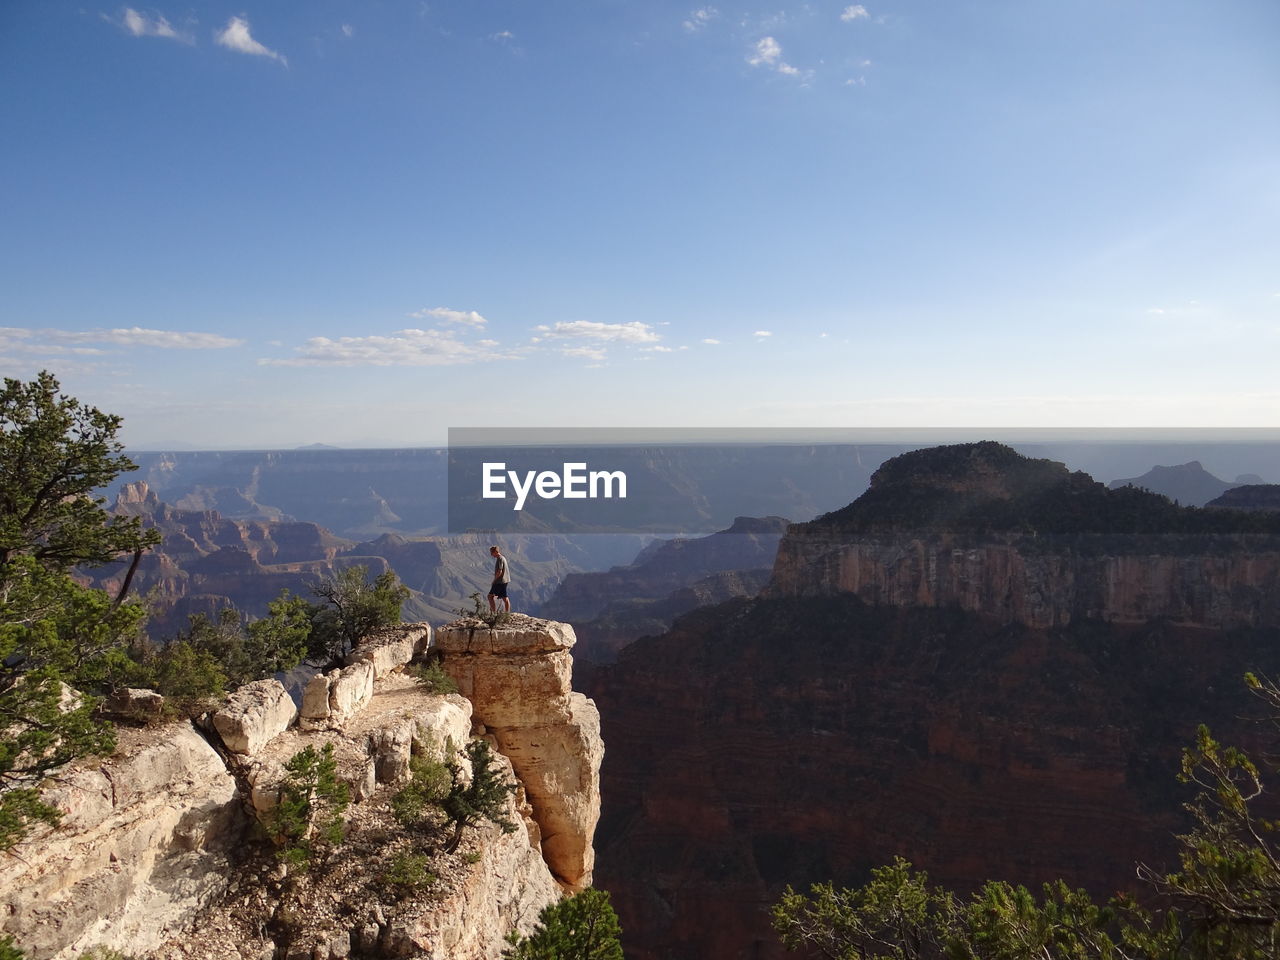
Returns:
point(492, 608)
point(507, 601)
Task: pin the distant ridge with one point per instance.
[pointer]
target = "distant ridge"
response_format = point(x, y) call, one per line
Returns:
point(1189, 484)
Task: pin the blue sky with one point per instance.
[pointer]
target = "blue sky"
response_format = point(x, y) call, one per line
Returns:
point(365, 222)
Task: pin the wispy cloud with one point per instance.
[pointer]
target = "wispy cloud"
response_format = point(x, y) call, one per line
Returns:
point(586, 353)
point(502, 36)
point(154, 25)
point(633, 332)
point(711, 340)
point(700, 18)
point(855, 12)
point(404, 348)
point(763, 333)
point(236, 36)
point(59, 341)
point(348, 30)
point(444, 314)
point(768, 53)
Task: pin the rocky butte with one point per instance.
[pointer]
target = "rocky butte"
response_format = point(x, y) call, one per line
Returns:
point(986, 663)
point(163, 851)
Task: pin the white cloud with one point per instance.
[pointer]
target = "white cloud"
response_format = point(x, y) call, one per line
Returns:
point(587, 353)
point(633, 332)
point(467, 317)
point(855, 12)
point(763, 333)
point(659, 349)
point(348, 30)
point(502, 36)
point(1157, 311)
point(404, 348)
point(56, 341)
point(700, 18)
point(236, 36)
point(768, 53)
point(141, 25)
point(711, 340)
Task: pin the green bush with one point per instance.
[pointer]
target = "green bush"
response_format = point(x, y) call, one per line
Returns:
point(432, 676)
point(409, 872)
point(484, 798)
point(309, 820)
point(584, 927)
point(429, 784)
point(481, 611)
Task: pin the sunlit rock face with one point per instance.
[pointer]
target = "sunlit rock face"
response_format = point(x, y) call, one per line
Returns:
point(517, 676)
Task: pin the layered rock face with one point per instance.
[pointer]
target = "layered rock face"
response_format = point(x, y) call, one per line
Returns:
point(1218, 582)
point(148, 839)
point(157, 839)
point(518, 678)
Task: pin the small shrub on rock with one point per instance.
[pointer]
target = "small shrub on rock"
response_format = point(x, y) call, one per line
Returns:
point(408, 871)
point(309, 819)
point(432, 676)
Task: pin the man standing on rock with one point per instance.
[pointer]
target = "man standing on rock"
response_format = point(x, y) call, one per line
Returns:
point(501, 577)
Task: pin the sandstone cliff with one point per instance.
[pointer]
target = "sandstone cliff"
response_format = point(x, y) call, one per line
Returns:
point(982, 528)
point(164, 850)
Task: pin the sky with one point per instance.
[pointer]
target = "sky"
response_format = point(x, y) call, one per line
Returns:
point(361, 223)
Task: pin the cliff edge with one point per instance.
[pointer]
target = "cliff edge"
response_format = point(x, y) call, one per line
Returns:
point(164, 849)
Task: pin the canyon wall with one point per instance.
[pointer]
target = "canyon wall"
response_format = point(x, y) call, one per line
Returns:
point(1046, 581)
point(985, 664)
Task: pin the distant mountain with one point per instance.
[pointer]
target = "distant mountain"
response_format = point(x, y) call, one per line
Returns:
point(1189, 484)
point(318, 446)
point(1251, 496)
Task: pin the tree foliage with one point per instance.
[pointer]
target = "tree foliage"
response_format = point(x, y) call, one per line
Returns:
point(54, 453)
point(54, 633)
point(352, 609)
point(1223, 903)
point(582, 927)
point(309, 818)
point(483, 798)
point(213, 654)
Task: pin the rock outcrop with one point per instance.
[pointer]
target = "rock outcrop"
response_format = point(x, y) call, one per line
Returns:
point(517, 676)
point(1025, 541)
point(148, 839)
point(153, 840)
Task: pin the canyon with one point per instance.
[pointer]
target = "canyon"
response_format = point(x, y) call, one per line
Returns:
point(986, 664)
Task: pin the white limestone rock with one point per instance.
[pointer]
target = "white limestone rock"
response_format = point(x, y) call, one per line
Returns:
point(253, 715)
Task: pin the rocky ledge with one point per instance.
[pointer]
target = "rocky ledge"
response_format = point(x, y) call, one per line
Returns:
point(158, 854)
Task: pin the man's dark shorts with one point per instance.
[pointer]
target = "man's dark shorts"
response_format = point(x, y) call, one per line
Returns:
point(498, 590)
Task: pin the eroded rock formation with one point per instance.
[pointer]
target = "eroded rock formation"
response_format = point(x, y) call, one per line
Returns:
point(158, 839)
point(518, 679)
